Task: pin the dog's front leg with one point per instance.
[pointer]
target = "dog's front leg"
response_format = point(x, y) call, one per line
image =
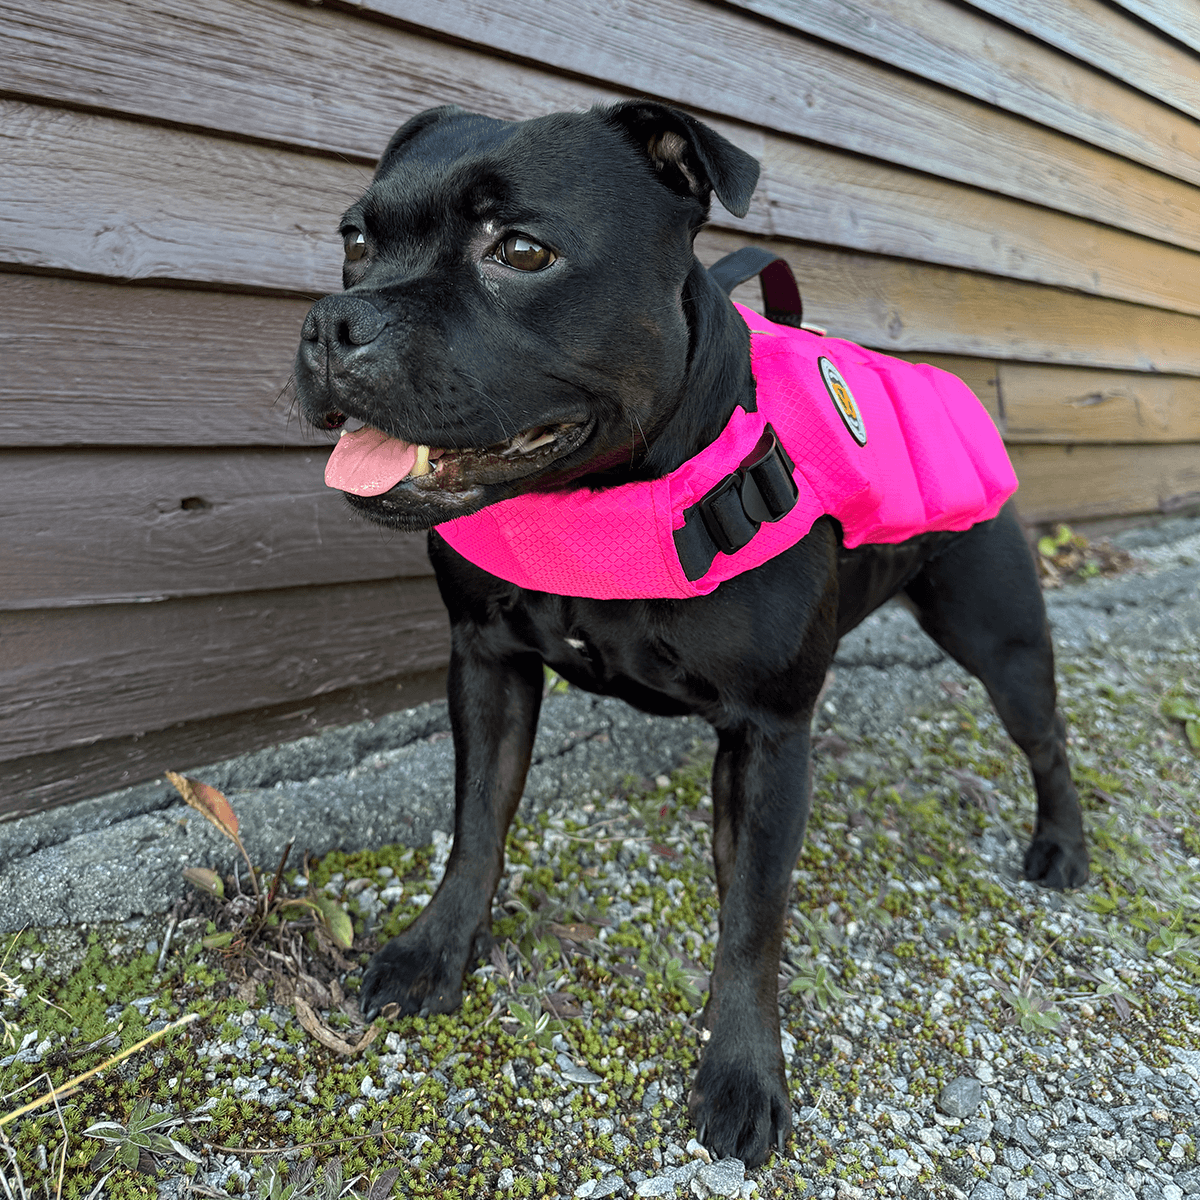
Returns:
point(494, 703)
point(739, 1102)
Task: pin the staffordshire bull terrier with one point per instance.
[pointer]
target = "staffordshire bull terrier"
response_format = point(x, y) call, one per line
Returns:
point(531, 354)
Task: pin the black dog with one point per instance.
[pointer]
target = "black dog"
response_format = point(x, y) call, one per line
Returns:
point(524, 298)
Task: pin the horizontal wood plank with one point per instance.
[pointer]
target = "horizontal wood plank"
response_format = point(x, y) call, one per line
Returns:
point(1063, 404)
point(818, 195)
point(1067, 483)
point(152, 524)
point(765, 76)
point(38, 781)
point(101, 364)
point(110, 526)
point(899, 306)
point(113, 198)
point(270, 70)
point(106, 197)
point(71, 676)
point(262, 68)
point(92, 363)
point(943, 42)
point(1180, 21)
point(1108, 39)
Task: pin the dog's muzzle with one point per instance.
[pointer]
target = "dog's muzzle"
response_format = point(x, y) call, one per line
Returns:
point(335, 333)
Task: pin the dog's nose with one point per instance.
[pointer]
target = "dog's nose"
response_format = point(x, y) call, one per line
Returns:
point(343, 322)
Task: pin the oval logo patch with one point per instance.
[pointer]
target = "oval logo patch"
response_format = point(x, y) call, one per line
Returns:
point(843, 401)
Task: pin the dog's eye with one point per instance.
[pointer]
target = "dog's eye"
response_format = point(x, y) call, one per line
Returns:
point(526, 255)
point(356, 245)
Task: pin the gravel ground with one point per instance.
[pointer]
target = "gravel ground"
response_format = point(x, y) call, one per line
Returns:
point(950, 1030)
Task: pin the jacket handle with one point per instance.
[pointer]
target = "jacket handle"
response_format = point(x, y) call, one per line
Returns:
point(781, 296)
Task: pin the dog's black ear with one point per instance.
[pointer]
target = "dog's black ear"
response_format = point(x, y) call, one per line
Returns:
point(411, 128)
point(691, 158)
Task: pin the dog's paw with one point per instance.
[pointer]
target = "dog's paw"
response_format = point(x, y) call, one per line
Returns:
point(1051, 863)
point(740, 1112)
point(422, 975)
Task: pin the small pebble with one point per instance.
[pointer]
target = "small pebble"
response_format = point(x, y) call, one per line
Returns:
point(961, 1097)
point(986, 1191)
point(723, 1178)
point(657, 1185)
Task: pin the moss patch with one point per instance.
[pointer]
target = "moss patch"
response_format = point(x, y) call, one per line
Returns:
point(914, 955)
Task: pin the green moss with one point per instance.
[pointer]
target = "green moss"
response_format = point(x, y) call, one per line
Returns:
point(897, 817)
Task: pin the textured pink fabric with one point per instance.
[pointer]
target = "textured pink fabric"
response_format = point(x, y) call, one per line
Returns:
point(933, 460)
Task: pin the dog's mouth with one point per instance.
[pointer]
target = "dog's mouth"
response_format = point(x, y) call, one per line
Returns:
point(369, 462)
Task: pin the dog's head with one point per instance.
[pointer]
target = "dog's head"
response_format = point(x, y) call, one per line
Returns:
point(514, 316)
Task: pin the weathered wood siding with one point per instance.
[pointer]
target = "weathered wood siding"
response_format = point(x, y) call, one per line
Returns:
point(1005, 187)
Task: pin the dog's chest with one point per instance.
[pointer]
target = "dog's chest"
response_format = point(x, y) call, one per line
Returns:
point(707, 655)
point(644, 670)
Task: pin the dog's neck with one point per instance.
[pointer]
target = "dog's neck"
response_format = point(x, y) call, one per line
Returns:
point(716, 381)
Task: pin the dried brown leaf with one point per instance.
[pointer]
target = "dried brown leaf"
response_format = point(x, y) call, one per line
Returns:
point(207, 801)
point(326, 1036)
point(562, 1005)
point(381, 1189)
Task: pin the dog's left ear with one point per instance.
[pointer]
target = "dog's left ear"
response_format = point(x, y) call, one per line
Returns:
point(691, 158)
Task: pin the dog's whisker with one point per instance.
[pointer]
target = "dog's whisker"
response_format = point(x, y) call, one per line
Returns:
point(641, 434)
point(289, 385)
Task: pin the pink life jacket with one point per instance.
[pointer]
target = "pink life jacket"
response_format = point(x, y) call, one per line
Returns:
point(889, 448)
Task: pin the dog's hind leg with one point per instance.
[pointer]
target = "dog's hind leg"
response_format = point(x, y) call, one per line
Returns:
point(494, 705)
point(980, 600)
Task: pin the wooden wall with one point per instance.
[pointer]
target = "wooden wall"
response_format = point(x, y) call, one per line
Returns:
point(1007, 187)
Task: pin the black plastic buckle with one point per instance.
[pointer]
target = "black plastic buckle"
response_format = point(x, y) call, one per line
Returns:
point(728, 516)
point(725, 518)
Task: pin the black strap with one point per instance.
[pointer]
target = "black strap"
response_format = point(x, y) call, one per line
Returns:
point(730, 514)
point(781, 296)
point(762, 488)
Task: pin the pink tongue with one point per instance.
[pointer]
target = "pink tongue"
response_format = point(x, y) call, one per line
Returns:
point(368, 462)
